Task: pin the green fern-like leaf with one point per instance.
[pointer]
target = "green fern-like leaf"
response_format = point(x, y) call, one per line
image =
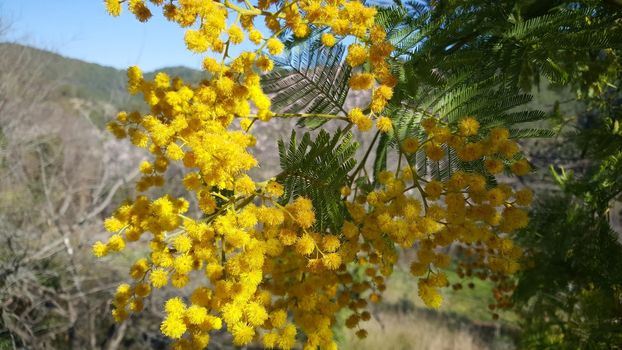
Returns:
point(452, 98)
point(531, 133)
point(317, 169)
point(309, 78)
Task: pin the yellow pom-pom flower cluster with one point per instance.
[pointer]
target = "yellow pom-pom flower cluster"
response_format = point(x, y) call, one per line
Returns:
point(269, 275)
point(264, 271)
point(464, 211)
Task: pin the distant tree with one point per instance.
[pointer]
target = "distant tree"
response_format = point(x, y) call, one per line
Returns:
point(570, 291)
point(55, 186)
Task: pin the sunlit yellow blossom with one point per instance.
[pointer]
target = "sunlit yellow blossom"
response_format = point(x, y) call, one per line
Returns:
point(113, 224)
point(255, 314)
point(158, 278)
point(302, 210)
point(242, 334)
point(175, 307)
point(330, 243)
point(275, 46)
point(255, 36)
point(244, 185)
point(278, 318)
point(362, 121)
point(362, 81)
point(196, 314)
point(100, 249)
point(173, 327)
point(305, 245)
point(328, 40)
point(196, 41)
point(384, 124)
point(182, 243)
point(174, 152)
point(270, 340)
point(113, 7)
point(384, 91)
point(211, 65)
point(468, 126)
point(355, 114)
point(116, 243)
point(332, 261)
point(429, 295)
point(135, 79)
point(235, 34)
point(357, 55)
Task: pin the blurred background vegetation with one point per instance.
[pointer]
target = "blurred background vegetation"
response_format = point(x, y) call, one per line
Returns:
point(62, 174)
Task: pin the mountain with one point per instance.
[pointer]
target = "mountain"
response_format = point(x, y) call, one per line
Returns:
point(83, 80)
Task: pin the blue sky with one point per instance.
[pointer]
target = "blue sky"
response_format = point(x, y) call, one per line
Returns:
point(83, 29)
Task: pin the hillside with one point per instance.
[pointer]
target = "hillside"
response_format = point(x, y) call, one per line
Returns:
point(78, 79)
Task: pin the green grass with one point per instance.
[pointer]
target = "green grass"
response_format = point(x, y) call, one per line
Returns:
point(469, 303)
point(402, 321)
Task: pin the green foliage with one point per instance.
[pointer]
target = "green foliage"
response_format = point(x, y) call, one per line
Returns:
point(317, 169)
point(490, 101)
point(309, 78)
point(443, 77)
point(570, 292)
point(455, 60)
point(566, 42)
